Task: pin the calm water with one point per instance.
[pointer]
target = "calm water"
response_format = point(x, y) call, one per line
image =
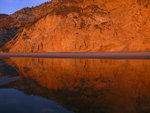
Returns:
point(29, 85)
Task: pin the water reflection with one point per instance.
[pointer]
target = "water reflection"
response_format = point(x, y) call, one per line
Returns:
point(87, 85)
point(13, 101)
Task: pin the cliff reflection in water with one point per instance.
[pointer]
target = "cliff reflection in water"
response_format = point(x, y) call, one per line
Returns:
point(88, 85)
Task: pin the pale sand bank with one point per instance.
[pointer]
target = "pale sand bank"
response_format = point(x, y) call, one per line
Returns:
point(98, 55)
point(7, 79)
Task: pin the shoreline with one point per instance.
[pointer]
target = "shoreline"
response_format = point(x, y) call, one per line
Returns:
point(88, 55)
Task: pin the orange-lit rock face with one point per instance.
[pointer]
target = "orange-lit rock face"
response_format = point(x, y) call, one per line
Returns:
point(85, 26)
point(113, 86)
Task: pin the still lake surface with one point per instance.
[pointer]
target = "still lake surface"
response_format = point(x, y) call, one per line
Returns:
point(38, 85)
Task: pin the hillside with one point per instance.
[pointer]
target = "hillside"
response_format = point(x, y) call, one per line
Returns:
point(79, 26)
point(3, 15)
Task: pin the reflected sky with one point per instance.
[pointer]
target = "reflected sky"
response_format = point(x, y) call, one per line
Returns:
point(13, 101)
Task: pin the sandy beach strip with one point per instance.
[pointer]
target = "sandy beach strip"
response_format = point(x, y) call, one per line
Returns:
point(92, 55)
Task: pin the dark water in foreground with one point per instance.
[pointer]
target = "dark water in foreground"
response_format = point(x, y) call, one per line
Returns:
point(32, 85)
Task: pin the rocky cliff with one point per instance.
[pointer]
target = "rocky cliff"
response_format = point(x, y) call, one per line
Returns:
point(80, 26)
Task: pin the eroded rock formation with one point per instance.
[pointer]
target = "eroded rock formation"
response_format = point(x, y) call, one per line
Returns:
point(82, 26)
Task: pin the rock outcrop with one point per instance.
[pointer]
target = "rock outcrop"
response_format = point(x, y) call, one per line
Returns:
point(3, 15)
point(81, 26)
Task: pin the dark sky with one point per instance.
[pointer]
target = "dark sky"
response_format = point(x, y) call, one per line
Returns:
point(11, 6)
